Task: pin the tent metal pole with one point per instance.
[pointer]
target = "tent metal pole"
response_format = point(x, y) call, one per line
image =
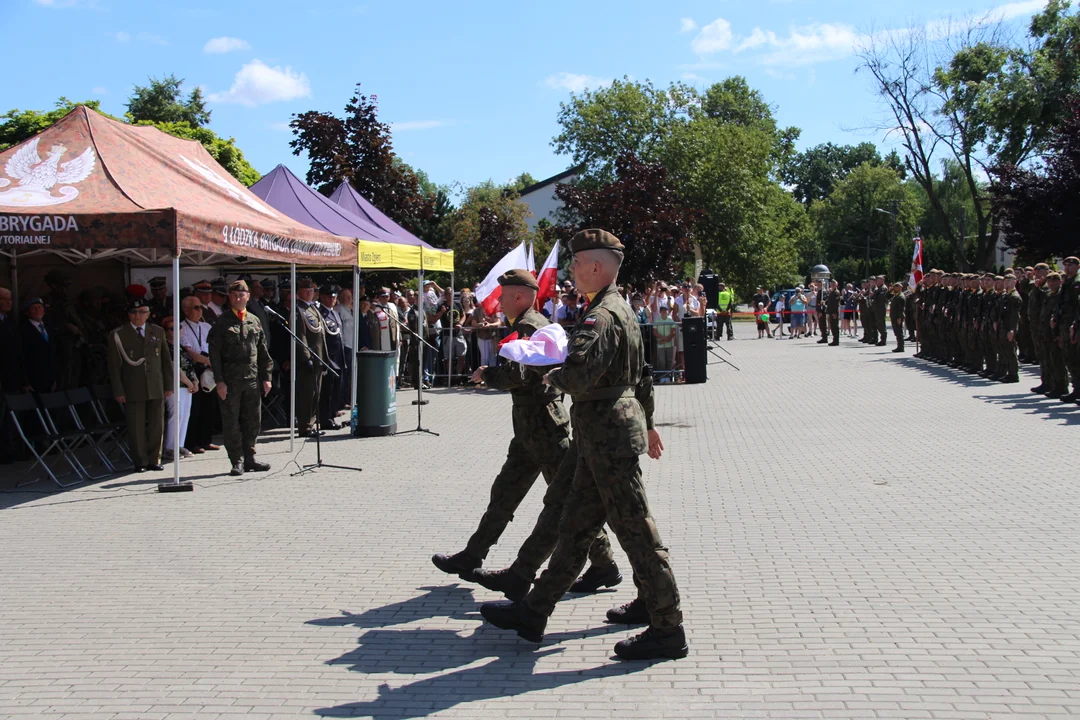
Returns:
point(356, 332)
point(450, 352)
point(16, 300)
point(175, 485)
point(292, 359)
point(176, 368)
point(420, 334)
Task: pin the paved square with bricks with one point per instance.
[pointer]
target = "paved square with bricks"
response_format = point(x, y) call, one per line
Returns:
point(856, 534)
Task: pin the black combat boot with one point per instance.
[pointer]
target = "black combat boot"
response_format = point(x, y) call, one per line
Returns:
point(253, 465)
point(898, 349)
point(654, 644)
point(1054, 394)
point(1071, 397)
point(506, 581)
point(881, 343)
point(632, 613)
point(595, 578)
point(528, 624)
point(237, 469)
point(1011, 379)
point(461, 564)
point(835, 342)
point(1038, 388)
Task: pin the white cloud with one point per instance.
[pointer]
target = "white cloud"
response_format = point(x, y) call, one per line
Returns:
point(122, 37)
point(219, 45)
point(418, 125)
point(574, 82)
point(692, 77)
point(1027, 8)
point(713, 38)
point(810, 44)
point(257, 84)
point(687, 25)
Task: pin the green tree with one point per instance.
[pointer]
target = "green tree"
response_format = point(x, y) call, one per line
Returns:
point(851, 221)
point(488, 224)
point(163, 102)
point(813, 173)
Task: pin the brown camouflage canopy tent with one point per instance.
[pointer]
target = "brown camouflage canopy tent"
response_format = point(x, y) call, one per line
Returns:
point(90, 188)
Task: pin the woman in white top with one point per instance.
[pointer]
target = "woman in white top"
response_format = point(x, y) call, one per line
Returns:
point(194, 339)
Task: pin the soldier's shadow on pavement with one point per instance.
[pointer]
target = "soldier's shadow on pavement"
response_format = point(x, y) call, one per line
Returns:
point(510, 673)
point(453, 601)
point(1068, 414)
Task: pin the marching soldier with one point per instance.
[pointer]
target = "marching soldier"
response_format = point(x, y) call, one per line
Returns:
point(309, 370)
point(539, 446)
point(140, 368)
point(601, 373)
point(242, 366)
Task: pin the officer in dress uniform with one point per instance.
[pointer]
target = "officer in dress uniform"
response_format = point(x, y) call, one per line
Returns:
point(140, 368)
point(201, 289)
point(330, 395)
point(310, 328)
point(601, 373)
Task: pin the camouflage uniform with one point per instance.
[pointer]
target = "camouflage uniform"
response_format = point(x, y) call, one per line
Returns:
point(1055, 376)
point(1036, 298)
point(1009, 321)
point(1068, 311)
point(601, 372)
point(241, 360)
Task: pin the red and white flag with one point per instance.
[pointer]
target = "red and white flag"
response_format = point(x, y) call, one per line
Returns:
point(916, 265)
point(488, 292)
point(548, 277)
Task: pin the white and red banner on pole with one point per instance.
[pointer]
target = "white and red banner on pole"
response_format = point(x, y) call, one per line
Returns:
point(548, 277)
point(488, 291)
point(916, 265)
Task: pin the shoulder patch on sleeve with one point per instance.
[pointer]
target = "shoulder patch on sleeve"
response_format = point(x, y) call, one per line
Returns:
point(589, 321)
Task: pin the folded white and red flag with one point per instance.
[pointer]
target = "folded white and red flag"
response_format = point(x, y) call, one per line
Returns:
point(488, 291)
point(547, 346)
point(548, 277)
point(916, 265)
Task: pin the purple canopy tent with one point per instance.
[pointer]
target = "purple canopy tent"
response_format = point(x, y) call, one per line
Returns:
point(347, 197)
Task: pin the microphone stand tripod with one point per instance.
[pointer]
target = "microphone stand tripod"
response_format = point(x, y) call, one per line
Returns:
point(419, 402)
point(712, 350)
point(303, 469)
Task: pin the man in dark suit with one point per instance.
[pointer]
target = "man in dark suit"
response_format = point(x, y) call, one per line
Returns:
point(38, 349)
point(330, 392)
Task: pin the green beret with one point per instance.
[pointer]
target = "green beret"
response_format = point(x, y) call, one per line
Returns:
point(519, 277)
point(238, 286)
point(595, 239)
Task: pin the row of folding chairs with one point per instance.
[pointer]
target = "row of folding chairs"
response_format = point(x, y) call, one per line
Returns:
point(72, 427)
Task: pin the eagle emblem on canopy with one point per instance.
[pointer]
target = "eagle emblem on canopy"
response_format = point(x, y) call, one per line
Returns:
point(38, 177)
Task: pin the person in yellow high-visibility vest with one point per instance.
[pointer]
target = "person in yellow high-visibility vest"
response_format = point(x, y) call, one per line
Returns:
point(725, 306)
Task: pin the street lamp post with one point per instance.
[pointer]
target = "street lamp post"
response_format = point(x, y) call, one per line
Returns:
point(895, 212)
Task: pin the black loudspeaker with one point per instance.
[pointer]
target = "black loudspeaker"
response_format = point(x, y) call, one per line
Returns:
point(711, 283)
point(695, 349)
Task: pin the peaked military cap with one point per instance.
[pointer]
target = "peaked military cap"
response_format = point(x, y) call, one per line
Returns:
point(998, 278)
point(1042, 266)
point(519, 277)
point(268, 283)
point(219, 286)
point(156, 283)
point(286, 284)
point(1028, 268)
point(595, 239)
point(304, 283)
point(1053, 276)
point(1073, 259)
point(136, 304)
point(329, 289)
point(32, 301)
point(238, 286)
point(202, 286)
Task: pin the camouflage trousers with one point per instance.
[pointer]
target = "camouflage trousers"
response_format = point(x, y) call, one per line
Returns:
point(1071, 357)
point(541, 440)
point(1055, 374)
point(1008, 363)
point(989, 347)
point(610, 488)
point(241, 418)
point(541, 542)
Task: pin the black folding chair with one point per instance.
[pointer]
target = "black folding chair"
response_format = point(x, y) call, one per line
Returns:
point(65, 424)
point(35, 432)
point(106, 434)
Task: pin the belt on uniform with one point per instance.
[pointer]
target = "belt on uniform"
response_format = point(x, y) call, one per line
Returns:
point(532, 400)
point(609, 393)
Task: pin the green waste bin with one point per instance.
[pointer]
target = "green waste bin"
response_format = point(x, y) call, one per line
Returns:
point(375, 411)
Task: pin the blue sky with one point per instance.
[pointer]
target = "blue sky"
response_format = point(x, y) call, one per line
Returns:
point(472, 88)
